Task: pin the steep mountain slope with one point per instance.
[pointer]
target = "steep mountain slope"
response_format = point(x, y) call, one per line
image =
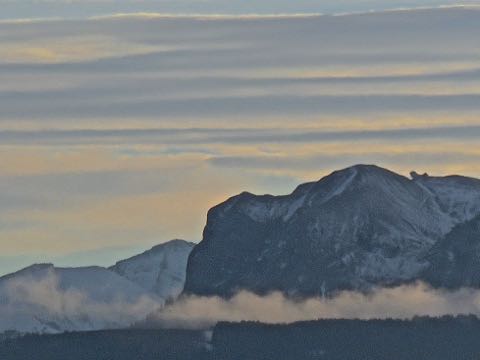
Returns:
point(455, 260)
point(459, 196)
point(43, 298)
point(355, 228)
point(160, 270)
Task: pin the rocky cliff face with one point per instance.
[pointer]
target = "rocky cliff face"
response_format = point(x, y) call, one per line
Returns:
point(455, 260)
point(356, 228)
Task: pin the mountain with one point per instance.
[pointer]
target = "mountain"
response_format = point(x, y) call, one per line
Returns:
point(458, 196)
point(455, 260)
point(160, 270)
point(44, 298)
point(359, 227)
point(48, 299)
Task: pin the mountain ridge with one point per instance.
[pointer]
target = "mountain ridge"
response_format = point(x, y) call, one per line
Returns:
point(48, 299)
point(357, 229)
point(160, 270)
point(354, 229)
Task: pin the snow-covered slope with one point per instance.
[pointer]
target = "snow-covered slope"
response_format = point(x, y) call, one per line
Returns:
point(43, 298)
point(353, 229)
point(458, 196)
point(160, 270)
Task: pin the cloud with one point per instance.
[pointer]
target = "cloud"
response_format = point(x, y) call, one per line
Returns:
point(179, 69)
point(209, 136)
point(210, 17)
point(37, 301)
point(126, 131)
point(401, 159)
point(400, 302)
point(69, 49)
point(87, 8)
point(248, 106)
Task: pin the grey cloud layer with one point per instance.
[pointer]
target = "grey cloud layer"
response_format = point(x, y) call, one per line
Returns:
point(76, 9)
point(412, 159)
point(157, 118)
point(190, 136)
point(231, 68)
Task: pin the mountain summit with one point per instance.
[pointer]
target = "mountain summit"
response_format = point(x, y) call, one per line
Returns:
point(160, 270)
point(356, 228)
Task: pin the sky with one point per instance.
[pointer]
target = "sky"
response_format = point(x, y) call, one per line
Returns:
point(119, 132)
point(20, 9)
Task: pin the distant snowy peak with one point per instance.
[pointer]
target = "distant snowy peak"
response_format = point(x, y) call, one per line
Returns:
point(160, 270)
point(49, 299)
point(43, 298)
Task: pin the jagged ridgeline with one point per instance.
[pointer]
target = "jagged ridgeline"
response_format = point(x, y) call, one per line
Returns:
point(356, 228)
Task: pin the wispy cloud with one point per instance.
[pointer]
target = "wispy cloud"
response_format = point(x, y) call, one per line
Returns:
point(38, 301)
point(70, 49)
point(209, 136)
point(124, 130)
point(402, 302)
point(83, 9)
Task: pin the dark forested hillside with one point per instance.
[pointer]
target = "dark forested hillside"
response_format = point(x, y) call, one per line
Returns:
point(420, 339)
point(446, 338)
point(108, 345)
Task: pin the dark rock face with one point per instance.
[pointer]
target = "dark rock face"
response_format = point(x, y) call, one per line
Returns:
point(355, 228)
point(455, 260)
